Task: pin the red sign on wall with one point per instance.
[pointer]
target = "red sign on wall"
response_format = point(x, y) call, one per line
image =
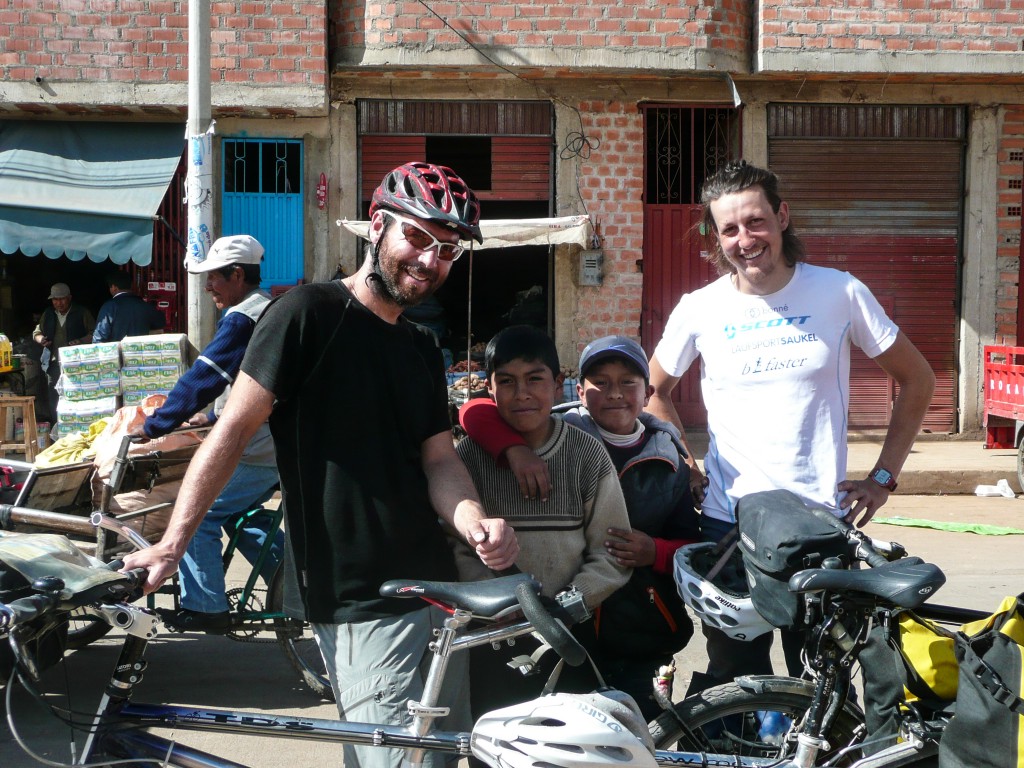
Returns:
point(321, 192)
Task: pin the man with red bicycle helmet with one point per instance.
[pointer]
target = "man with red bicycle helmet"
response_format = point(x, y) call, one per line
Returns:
point(357, 403)
point(433, 192)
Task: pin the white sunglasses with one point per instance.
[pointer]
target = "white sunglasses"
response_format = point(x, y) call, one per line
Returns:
point(422, 240)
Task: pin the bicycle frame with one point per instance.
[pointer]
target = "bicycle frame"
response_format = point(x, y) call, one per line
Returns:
point(120, 726)
point(117, 721)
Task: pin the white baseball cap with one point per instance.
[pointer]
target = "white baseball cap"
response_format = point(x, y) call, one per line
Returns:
point(229, 251)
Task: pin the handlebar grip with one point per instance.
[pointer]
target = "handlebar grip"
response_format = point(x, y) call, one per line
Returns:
point(25, 609)
point(872, 556)
point(553, 632)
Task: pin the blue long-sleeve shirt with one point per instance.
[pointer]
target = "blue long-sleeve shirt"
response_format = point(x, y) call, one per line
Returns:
point(126, 315)
point(214, 370)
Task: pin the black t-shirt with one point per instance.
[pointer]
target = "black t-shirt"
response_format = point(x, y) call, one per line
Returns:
point(356, 399)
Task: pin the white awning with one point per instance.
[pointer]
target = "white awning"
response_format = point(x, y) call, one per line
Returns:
point(84, 189)
point(508, 233)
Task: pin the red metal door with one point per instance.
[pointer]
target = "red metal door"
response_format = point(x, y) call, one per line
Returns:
point(673, 265)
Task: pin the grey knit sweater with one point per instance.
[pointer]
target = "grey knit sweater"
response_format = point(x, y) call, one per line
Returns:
point(562, 539)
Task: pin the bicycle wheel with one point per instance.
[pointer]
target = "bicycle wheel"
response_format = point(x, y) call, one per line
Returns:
point(84, 628)
point(750, 718)
point(296, 639)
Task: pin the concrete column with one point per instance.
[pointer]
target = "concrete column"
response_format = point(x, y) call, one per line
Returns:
point(979, 277)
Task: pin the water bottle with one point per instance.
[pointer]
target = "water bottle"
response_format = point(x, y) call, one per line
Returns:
point(6, 352)
point(774, 727)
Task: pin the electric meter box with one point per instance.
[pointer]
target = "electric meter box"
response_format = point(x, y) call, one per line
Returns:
point(591, 267)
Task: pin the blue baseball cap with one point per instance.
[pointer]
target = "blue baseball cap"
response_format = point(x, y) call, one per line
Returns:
point(614, 346)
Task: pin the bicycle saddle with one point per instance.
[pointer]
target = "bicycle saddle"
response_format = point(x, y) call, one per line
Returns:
point(906, 583)
point(485, 599)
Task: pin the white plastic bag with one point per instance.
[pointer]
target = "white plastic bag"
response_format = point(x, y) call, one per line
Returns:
point(1001, 488)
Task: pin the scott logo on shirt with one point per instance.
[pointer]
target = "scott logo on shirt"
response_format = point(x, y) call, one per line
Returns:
point(770, 322)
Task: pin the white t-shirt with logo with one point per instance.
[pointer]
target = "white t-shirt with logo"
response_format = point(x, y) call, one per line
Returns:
point(775, 375)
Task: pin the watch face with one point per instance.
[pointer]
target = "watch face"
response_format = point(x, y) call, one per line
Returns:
point(882, 477)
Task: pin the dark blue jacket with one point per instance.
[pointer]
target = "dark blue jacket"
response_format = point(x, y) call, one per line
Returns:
point(646, 617)
point(126, 315)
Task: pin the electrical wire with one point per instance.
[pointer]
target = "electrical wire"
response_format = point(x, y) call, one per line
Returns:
point(577, 143)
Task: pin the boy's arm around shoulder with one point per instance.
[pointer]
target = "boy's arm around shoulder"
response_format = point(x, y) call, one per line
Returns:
point(484, 425)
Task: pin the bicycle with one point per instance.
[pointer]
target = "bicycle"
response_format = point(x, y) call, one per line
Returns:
point(254, 611)
point(820, 725)
point(119, 728)
point(825, 728)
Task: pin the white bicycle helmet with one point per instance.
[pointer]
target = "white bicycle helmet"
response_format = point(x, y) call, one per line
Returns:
point(723, 603)
point(565, 731)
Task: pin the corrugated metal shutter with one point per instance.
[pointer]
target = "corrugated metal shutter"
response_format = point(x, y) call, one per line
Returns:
point(877, 191)
point(382, 153)
point(520, 166)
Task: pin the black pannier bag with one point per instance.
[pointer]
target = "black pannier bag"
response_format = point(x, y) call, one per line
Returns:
point(780, 535)
point(48, 648)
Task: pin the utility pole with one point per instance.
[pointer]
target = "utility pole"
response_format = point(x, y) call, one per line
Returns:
point(199, 176)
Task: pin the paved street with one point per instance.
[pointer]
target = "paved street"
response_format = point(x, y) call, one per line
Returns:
point(256, 677)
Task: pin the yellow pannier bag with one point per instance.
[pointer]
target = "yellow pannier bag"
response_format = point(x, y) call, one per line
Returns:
point(929, 659)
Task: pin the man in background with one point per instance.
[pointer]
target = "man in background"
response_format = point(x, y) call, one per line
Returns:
point(63, 324)
point(125, 313)
point(232, 270)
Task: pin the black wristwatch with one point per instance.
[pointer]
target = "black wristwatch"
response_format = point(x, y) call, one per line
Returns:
point(884, 478)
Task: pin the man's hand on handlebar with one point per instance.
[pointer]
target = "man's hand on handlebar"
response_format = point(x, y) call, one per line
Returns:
point(862, 500)
point(495, 543)
point(138, 436)
point(160, 563)
point(198, 420)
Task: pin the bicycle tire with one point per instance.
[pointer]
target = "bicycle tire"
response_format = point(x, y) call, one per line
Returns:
point(85, 628)
point(296, 639)
point(726, 719)
point(1020, 464)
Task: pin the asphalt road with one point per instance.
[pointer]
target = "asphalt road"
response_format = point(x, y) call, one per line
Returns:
point(219, 673)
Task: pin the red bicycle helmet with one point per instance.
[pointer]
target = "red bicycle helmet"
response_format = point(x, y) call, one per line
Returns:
point(431, 192)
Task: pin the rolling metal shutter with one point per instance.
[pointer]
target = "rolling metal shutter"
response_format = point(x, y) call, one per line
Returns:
point(877, 191)
point(395, 132)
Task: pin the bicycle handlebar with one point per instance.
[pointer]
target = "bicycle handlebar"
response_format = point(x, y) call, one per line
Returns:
point(25, 609)
point(866, 548)
point(554, 632)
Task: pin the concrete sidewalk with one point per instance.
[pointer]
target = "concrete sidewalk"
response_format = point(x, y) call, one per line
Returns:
point(938, 464)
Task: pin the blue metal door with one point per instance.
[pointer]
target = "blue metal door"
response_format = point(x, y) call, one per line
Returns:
point(262, 196)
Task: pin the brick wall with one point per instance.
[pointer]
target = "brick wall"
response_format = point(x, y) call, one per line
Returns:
point(892, 25)
point(266, 42)
point(590, 24)
point(1008, 213)
point(611, 185)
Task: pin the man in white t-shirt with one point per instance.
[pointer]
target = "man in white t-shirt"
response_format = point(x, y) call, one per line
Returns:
point(773, 335)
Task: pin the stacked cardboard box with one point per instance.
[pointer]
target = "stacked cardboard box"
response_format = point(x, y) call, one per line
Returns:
point(89, 386)
point(152, 365)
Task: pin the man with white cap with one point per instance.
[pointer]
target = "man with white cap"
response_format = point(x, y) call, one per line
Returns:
point(62, 325)
point(232, 270)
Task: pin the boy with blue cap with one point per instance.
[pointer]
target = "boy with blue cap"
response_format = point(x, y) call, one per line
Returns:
point(643, 624)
